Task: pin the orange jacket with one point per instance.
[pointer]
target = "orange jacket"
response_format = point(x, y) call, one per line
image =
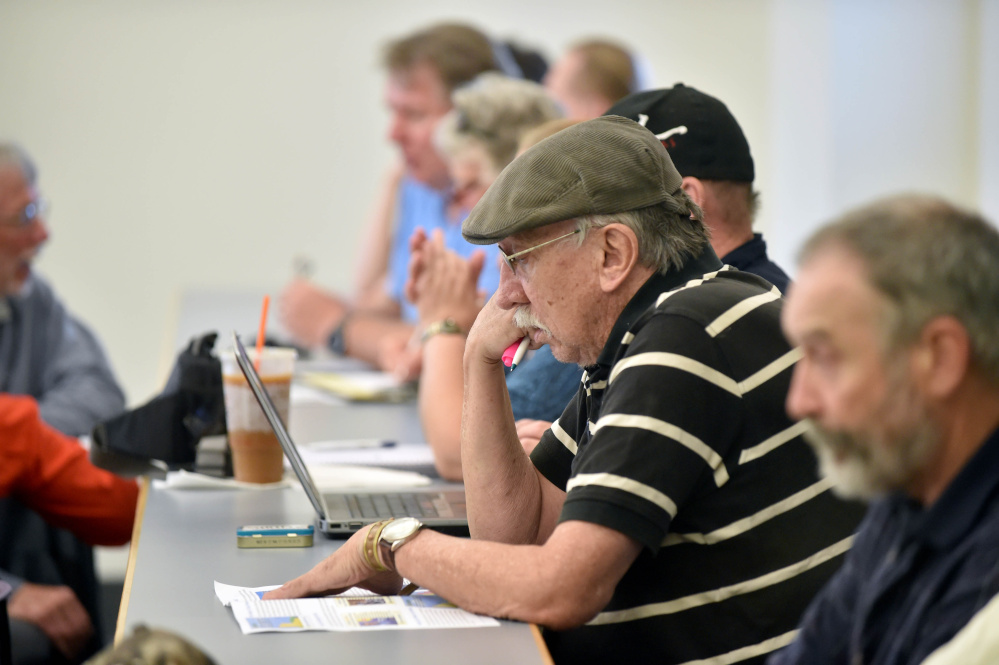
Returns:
point(50, 472)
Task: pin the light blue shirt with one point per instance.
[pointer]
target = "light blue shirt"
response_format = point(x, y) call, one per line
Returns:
point(541, 387)
point(421, 206)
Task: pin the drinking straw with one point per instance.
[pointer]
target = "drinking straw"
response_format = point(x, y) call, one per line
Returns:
point(260, 332)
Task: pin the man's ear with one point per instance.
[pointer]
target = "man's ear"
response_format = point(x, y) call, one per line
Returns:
point(695, 190)
point(941, 356)
point(619, 255)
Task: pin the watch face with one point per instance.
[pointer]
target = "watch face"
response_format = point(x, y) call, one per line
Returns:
point(400, 528)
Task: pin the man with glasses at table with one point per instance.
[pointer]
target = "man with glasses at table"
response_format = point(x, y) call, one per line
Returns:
point(47, 354)
point(673, 513)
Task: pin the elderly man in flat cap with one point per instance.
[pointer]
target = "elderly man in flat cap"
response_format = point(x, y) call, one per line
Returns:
point(673, 513)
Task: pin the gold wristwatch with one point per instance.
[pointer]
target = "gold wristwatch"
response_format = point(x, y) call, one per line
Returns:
point(394, 535)
point(447, 327)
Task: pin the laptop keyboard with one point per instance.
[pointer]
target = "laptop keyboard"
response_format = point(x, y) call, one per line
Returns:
point(372, 506)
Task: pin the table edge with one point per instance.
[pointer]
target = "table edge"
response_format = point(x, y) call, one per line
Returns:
point(133, 550)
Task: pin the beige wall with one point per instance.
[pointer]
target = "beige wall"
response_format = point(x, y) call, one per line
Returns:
point(876, 97)
point(175, 139)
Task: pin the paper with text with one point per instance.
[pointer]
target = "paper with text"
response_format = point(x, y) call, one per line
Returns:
point(355, 609)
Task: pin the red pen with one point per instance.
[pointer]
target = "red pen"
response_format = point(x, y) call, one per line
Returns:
point(515, 352)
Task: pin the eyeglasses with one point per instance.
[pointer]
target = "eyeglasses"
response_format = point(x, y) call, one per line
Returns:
point(29, 214)
point(512, 259)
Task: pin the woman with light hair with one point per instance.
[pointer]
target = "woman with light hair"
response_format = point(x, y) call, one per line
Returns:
point(478, 138)
point(480, 135)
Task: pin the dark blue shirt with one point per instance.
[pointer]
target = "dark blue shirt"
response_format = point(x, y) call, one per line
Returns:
point(542, 386)
point(914, 577)
point(752, 257)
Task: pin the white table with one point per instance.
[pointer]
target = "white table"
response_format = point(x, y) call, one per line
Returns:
point(184, 540)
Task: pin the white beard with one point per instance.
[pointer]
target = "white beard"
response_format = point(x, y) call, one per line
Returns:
point(525, 319)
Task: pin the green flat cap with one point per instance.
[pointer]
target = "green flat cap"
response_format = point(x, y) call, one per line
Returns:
point(597, 167)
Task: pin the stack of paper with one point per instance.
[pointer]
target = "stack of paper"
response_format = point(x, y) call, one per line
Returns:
point(367, 452)
point(188, 480)
point(327, 477)
point(361, 386)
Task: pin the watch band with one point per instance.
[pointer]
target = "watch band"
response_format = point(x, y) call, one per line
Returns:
point(446, 327)
point(336, 342)
point(386, 555)
point(370, 546)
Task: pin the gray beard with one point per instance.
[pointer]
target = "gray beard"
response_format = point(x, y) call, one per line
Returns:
point(872, 464)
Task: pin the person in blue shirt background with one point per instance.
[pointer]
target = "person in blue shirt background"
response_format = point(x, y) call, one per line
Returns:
point(423, 68)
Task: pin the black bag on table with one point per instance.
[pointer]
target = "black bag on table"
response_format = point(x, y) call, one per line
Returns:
point(168, 427)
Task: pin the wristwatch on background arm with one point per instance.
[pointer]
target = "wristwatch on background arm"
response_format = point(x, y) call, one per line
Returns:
point(335, 342)
point(395, 534)
point(446, 326)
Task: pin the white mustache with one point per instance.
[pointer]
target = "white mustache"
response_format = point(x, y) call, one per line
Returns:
point(524, 319)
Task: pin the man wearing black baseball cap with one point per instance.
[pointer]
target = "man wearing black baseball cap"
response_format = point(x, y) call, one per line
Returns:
point(709, 149)
point(651, 523)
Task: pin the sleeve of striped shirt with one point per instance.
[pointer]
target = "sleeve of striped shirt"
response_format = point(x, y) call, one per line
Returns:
point(665, 427)
point(555, 451)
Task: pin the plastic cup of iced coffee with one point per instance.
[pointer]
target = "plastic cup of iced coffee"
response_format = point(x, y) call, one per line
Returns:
point(256, 453)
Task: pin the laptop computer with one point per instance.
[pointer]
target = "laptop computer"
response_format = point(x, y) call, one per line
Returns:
point(341, 514)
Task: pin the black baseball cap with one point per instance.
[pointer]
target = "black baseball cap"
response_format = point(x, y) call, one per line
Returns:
point(699, 132)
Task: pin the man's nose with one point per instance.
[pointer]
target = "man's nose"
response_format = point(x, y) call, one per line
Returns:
point(510, 293)
point(397, 131)
point(43, 230)
point(802, 400)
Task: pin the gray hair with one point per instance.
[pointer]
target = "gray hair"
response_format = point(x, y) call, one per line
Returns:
point(928, 258)
point(494, 111)
point(14, 155)
point(669, 234)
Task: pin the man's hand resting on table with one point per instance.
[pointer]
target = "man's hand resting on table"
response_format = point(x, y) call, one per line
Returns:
point(56, 611)
point(309, 313)
point(338, 572)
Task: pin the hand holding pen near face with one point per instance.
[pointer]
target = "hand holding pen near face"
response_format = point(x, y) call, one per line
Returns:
point(515, 352)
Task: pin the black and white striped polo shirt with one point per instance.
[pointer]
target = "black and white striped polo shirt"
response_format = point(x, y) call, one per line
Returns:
point(678, 438)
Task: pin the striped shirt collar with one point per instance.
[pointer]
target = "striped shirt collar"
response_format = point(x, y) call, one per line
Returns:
point(646, 296)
